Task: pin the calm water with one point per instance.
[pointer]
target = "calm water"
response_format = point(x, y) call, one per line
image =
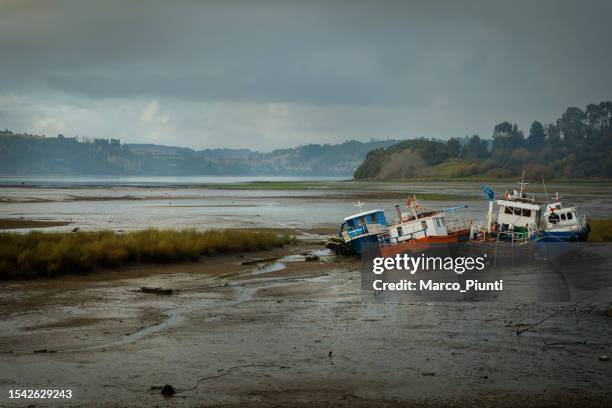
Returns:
point(129, 203)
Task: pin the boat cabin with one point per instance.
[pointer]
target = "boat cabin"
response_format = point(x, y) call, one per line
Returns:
point(363, 223)
point(431, 224)
point(559, 216)
point(517, 214)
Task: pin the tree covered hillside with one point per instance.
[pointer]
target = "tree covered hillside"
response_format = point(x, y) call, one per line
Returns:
point(578, 144)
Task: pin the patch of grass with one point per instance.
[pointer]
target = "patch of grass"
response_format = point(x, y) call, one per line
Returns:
point(49, 254)
point(601, 230)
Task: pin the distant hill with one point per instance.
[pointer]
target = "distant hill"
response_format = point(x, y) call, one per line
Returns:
point(23, 154)
point(577, 145)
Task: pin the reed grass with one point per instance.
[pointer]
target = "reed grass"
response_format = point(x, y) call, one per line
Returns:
point(601, 230)
point(50, 254)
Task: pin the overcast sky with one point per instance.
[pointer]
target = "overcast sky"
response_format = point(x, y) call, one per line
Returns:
point(272, 74)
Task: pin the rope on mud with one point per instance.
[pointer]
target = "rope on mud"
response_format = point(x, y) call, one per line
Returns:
point(531, 326)
point(228, 371)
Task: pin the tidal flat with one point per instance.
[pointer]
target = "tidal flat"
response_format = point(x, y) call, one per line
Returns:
point(281, 330)
point(140, 203)
point(269, 327)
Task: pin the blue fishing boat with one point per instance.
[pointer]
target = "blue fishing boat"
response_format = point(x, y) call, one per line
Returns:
point(358, 230)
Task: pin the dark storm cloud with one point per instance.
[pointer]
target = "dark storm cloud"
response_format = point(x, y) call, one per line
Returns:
point(342, 52)
point(478, 59)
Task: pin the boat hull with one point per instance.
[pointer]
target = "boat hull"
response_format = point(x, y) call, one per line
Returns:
point(579, 235)
point(423, 244)
point(364, 242)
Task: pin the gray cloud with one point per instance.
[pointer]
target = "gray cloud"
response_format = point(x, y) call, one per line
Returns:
point(337, 69)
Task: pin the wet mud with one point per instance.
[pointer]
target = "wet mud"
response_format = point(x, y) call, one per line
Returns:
point(288, 331)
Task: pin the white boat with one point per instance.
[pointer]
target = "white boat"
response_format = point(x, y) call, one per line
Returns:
point(563, 224)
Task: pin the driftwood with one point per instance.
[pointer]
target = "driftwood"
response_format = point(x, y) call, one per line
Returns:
point(157, 291)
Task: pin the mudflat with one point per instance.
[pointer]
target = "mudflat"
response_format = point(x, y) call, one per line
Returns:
point(286, 331)
point(17, 223)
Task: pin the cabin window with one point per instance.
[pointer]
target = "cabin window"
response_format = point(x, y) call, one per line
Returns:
point(360, 221)
point(374, 218)
point(563, 217)
point(526, 213)
point(569, 216)
point(508, 210)
point(424, 225)
point(558, 206)
point(517, 211)
point(399, 231)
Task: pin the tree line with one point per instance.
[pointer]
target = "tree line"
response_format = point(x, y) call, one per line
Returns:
point(577, 145)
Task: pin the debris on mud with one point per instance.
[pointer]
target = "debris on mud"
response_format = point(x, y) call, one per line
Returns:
point(156, 291)
point(168, 390)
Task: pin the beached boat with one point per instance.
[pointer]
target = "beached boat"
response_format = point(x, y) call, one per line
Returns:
point(421, 229)
point(362, 229)
point(522, 219)
point(563, 224)
point(518, 218)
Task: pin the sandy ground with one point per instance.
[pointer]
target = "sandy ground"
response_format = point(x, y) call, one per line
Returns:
point(290, 332)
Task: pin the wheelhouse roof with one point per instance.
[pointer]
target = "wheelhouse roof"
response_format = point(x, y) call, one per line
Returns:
point(350, 217)
point(518, 204)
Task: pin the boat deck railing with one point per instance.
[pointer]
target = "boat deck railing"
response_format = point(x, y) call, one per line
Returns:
point(384, 238)
point(513, 237)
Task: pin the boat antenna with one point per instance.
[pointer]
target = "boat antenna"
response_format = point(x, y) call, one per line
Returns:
point(360, 205)
point(545, 191)
point(523, 184)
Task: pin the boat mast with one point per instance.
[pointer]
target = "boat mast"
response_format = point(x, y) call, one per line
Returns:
point(545, 191)
point(412, 203)
point(360, 205)
point(523, 184)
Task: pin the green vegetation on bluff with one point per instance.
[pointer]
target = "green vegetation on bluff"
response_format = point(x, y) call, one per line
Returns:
point(49, 254)
point(577, 145)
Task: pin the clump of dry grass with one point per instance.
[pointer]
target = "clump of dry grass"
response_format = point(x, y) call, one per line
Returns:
point(601, 230)
point(49, 254)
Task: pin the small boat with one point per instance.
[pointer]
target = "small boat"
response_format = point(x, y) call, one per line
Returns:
point(421, 229)
point(362, 229)
point(563, 224)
